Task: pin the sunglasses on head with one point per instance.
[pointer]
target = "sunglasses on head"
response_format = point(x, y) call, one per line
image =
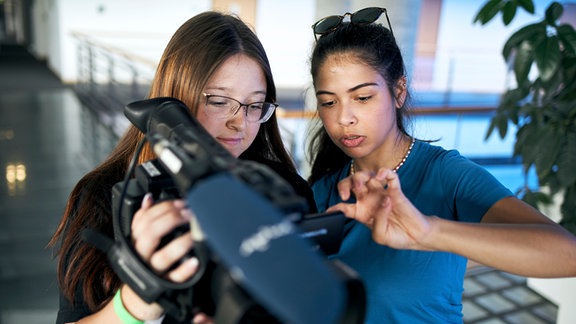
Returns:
point(329, 24)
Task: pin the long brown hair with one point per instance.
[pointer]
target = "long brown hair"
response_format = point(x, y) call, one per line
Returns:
point(191, 57)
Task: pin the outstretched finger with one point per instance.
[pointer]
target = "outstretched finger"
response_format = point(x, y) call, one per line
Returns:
point(355, 184)
point(354, 211)
point(349, 210)
point(377, 186)
point(388, 178)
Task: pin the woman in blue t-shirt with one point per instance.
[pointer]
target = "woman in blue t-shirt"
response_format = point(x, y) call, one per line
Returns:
point(420, 211)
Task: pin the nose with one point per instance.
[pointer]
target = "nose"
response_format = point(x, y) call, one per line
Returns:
point(238, 121)
point(346, 116)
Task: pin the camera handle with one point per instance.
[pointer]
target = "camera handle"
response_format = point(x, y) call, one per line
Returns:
point(145, 282)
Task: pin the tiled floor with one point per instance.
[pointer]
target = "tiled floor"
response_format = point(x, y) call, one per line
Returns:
point(492, 297)
point(48, 140)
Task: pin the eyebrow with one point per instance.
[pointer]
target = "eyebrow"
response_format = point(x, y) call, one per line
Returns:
point(361, 85)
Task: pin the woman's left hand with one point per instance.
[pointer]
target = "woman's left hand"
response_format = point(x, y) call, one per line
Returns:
point(382, 206)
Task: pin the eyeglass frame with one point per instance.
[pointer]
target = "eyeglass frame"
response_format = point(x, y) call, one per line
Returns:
point(331, 30)
point(273, 107)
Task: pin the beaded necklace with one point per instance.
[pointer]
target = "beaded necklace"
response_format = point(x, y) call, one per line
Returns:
point(353, 169)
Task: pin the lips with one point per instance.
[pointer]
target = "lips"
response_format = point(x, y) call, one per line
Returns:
point(229, 141)
point(352, 140)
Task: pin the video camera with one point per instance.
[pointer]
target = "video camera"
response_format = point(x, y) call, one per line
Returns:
point(261, 255)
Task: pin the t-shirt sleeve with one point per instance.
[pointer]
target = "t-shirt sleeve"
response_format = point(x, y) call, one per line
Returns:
point(474, 189)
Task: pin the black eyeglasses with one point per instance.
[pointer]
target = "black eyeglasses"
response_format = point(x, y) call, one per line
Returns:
point(223, 107)
point(369, 15)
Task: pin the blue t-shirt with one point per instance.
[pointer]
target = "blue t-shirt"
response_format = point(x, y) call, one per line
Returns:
point(405, 286)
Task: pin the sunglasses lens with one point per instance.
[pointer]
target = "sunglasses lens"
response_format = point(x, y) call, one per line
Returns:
point(366, 16)
point(361, 17)
point(327, 24)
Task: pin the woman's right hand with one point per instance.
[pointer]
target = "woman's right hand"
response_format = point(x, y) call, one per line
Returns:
point(154, 221)
point(150, 224)
point(382, 206)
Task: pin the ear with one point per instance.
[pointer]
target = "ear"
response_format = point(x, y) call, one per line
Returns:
point(400, 91)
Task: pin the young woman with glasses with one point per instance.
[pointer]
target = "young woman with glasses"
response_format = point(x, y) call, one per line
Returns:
point(217, 67)
point(417, 212)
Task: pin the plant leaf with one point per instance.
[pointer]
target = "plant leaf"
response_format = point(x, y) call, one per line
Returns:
point(567, 161)
point(502, 127)
point(509, 98)
point(535, 198)
point(488, 11)
point(499, 121)
point(568, 209)
point(523, 146)
point(491, 128)
point(547, 148)
point(532, 32)
point(553, 12)
point(508, 12)
point(523, 62)
point(567, 36)
point(547, 56)
point(528, 5)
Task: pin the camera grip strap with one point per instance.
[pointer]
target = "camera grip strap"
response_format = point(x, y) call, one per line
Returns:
point(134, 272)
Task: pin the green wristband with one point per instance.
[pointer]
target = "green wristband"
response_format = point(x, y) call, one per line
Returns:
point(121, 311)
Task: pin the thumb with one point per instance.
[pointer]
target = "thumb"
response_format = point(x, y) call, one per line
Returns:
point(347, 209)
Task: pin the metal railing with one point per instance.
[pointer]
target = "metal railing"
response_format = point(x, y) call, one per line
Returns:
point(109, 77)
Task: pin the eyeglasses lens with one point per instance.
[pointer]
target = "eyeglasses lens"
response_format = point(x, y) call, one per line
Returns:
point(223, 107)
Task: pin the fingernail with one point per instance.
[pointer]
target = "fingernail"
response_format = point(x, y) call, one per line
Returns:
point(147, 199)
point(186, 213)
point(193, 262)
point(179, 203)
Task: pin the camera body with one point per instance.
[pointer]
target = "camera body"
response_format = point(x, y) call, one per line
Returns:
point(254, 259)
point(214, 282)
point(149, 177)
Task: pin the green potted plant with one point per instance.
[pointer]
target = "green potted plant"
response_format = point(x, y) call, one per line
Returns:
point(542, 104)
